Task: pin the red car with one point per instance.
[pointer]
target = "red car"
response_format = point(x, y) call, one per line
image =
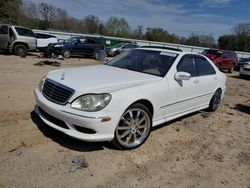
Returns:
point(223, 59)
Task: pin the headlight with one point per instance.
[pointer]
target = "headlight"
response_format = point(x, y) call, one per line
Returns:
point(91, 102)
point(58, 45)
point(40, 85)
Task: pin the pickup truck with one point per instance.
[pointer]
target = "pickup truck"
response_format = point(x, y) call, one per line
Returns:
point(16, 39)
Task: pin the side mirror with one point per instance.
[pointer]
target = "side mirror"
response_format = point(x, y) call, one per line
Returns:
point(182, 76)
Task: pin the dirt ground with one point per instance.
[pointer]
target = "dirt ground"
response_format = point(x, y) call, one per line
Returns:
point(200, 150)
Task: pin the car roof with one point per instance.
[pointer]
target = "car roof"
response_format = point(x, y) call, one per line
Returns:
point(20, 26)
point(168, 50)
point(161, 47)
point(220, 50)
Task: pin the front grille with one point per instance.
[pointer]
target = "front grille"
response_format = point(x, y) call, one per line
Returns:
point(53, 119)
point(56, 92)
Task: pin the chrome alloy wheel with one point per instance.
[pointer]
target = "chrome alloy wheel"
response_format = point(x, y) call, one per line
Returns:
point(215, 101)
point(134, 128)
point(66, 53)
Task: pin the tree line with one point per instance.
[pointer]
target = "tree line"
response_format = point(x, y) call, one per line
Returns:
point(48, 17)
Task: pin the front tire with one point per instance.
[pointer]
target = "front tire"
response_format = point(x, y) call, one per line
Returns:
point(66, 53)
point(20, 50)
point(116, 53)
point(215, 101)
point(134, 127)
point(231, 69)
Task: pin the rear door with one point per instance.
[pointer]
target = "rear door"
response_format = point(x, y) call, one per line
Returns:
point(91, 47)
point(4, 36)
point(207, 78)
point(84, 47)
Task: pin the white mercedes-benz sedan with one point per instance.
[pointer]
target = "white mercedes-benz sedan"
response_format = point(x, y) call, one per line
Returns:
point(121, 101)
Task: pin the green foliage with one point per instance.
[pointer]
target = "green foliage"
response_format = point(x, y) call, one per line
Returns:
point(118, 27)
point(10, 11)
point(46, 16)
point(91, 24)
point(238, 42)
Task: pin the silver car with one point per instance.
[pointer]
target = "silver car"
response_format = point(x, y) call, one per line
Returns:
point(119, 48)
point(17, 39)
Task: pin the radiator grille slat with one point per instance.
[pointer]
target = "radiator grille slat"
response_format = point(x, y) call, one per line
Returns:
point(56, 92)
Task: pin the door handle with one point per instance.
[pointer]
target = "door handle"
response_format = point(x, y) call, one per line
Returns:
point(196, 81)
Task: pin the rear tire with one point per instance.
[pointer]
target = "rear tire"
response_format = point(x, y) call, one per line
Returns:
point(20, 50)
point(133, 128)
point(96, 55)
point(215, 101)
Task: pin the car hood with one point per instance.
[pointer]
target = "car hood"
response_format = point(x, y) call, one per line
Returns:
point(100, 78)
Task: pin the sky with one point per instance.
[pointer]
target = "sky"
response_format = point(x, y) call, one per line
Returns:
point(181, 17)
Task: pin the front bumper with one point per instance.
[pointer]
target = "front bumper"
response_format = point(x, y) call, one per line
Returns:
point(73, 119)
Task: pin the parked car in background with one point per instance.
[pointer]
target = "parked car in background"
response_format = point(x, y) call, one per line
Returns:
point(241, 62)
point(122, 100)
point(223, 59)
point(17, 39)
point(86, 46)
point(245, 69)
point(119, 48)
point(43, 40)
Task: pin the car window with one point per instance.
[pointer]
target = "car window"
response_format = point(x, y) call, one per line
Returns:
point(126, 46)
point(226, 54)
point(90, 41)
point(43, 36)
point(37, 35)
point(24, 32)
point(4, 29)
point(187, 65)
point(203, 66)
point(233, 54)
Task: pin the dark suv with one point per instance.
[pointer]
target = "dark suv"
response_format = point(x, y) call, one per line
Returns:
point(223, 59)
point(78, 46)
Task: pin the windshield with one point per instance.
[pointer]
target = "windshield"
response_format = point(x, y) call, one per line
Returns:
point(145, 61)
point(24, 32)
point(71, 40)
point(118, 45)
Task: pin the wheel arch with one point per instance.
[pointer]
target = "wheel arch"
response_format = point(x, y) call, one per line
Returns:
point(17, 43)
point(146, 103)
